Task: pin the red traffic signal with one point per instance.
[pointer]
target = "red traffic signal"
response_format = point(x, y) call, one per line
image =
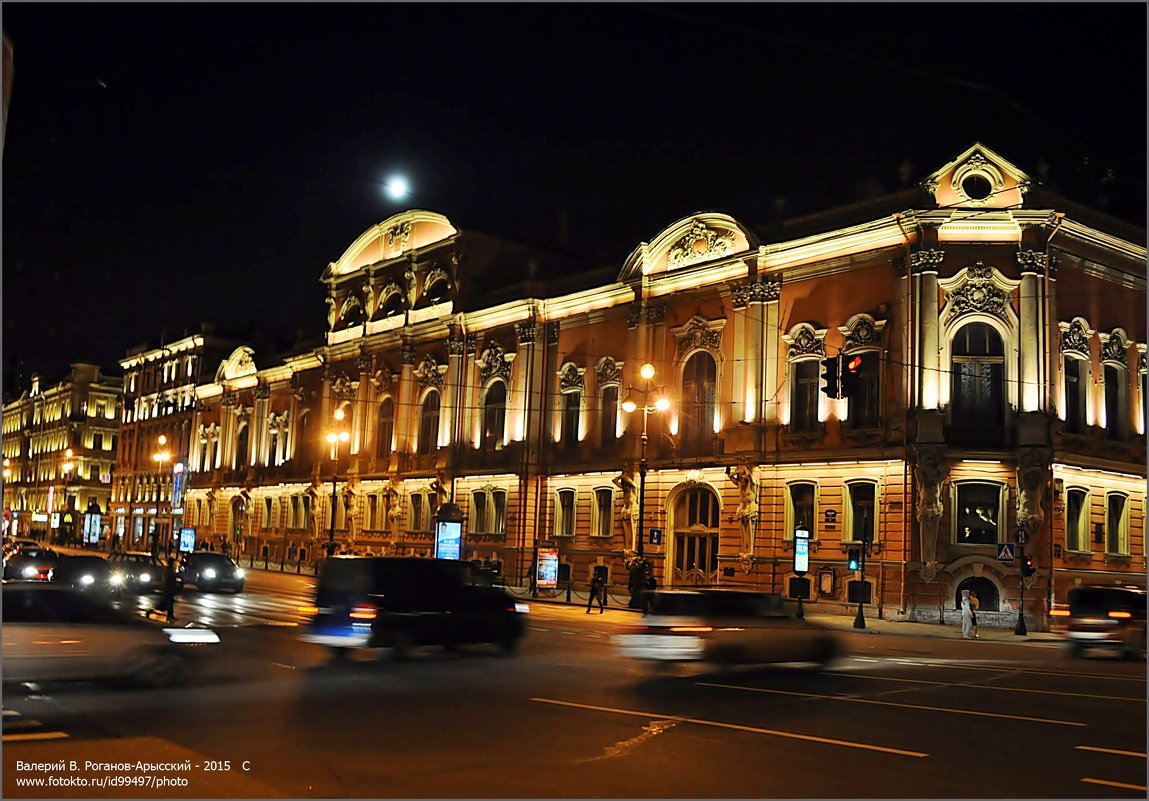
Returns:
point(1027, 566)
point(854, 369)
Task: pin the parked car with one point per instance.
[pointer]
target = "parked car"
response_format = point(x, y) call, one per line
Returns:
point(16, 543)
point(139, 571)
point(1110, 617)
point(88, 573)
point(53, 632)
point(724, 627)
point(33, 563)
point(403, 602)
point(208, 571)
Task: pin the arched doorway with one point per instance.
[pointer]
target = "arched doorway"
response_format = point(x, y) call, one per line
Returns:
point(695, 542)
point(977, 396)
point(987, 595)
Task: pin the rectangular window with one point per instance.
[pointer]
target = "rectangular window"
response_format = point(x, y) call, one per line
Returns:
point(978, 510)
point(416, 512)
point(863, 409)
point(98, 441)
point(604, 506)
point(804, 409)
point(306, 517)
point(1076, 520)
point(608, 416)
point(294, 521)
point(572, 404)
point(1116, 524)
point(1075, 372)
point(372, 511)
point(499, 499)
point(861, 512)
point(801, 509)
point(479, 511)
point(1114, 407)
point(565, 513)
point(267, 521)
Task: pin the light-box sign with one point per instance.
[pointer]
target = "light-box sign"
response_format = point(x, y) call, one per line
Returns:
point(448, 540)
point(92, 529)
point(179, 478)
point(801, 551)
point(548, 573)
point(187, 540)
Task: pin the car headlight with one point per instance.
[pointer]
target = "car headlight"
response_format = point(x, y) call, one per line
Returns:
point(28, 572)
point(87, 579)
point(239, 572)
point(117, 579)
point(209, 573)
point(522, 608)
point(145, 576)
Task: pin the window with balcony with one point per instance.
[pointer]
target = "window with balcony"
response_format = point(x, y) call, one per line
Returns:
point(1077, 520)
point(978, 393)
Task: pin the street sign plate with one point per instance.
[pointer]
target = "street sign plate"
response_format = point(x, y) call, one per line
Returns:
point(1004, 552)
point(656, 536)
point(1021, 536)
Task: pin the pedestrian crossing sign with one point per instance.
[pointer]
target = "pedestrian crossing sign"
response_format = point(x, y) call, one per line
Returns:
point(1005, 552)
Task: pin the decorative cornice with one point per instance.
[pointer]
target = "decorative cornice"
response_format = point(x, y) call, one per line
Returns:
point(553, 333)
point(456, 346)
point(494, 363)
point(571, 377)
point(263, 391)
point(926, 261)
point(633, 315)
point(608, 371)
point(407, 353)
point(363, 362)
point(804, 340)
point(227, 400)
point(525, 333)
point(764, 290)
point(470, 343)
point(1031, 261)
point(655, 313)
point(978, 294)
point(429, 373)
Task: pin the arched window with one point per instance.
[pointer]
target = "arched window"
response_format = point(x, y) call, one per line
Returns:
point(978, 395)
point(429, 424)
point(386, 431)
point(696, 521)
point(1117, 524)
point(801, 498)
point(699, 380)
point(494, 416)
point(1077, 520)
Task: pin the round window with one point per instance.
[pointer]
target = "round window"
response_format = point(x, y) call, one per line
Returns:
point(976, 187)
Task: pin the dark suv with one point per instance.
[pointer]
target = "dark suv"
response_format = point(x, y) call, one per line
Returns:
point(208, 571)
point(1110, 617)
point(402, 602)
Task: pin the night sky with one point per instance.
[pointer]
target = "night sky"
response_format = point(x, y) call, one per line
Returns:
point(171, 164)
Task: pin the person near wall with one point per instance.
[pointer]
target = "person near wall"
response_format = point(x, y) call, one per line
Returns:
point(597, 593)
point(974, 605)
point(966, 615)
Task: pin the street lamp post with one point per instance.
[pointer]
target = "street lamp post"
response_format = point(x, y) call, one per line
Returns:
point(661, 404)
point(161, 458)
point(334, 438)
point(4, 499)
point(66, 477)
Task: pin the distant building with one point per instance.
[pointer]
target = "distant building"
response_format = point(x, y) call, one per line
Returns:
point(1000, 334)
point(156, 426)
point(79, 414)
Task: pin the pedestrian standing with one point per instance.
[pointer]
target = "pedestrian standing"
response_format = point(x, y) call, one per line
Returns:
point(168, 593)
point(966, 615)
point(597, 593)
point(974, 605)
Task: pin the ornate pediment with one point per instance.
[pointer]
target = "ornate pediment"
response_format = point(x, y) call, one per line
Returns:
point(608, 371)
point(1075, 336)
point(571, 377)
point(805, 340)
point(1115, 347)
point(862, 331)
point(700, 243)
point(430, 373)
point(494, 362)
point(698, 332)
point(343, 387)
point(980, 292)
point(383, 379)
point(240, 363)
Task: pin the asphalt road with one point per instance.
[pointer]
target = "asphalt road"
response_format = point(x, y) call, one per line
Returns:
point(899, 717)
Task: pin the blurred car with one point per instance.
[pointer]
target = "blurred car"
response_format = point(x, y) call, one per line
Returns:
point(34, 563)
point(403, 602)
point(724, 627)
point(16, 543)
point(209, 571)
point(1111, 617)
point(139, 571)
point(88, 573)
point(53, 632)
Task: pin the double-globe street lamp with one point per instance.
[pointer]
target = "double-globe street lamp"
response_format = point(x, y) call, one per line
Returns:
point(162, 458)
point(335, 437)
point(660, 404)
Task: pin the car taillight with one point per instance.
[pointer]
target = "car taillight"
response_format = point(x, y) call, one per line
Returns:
point(1122, 615)
point(1059, 612)
point(363, 613)
point(691, 629)
point(309, 610)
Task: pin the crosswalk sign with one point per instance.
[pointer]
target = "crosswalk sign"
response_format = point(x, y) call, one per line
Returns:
point(1005, 552)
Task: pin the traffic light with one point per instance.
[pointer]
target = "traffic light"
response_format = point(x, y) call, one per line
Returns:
point(854, 559)
point(831, 368)
point(854, 369)
point(1027, 566)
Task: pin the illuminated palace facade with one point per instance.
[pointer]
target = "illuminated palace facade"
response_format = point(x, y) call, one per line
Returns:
point(1005, 331)
point(60, 451)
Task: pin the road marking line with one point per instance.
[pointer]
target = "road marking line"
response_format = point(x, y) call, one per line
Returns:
point(1005, 668)
point(25, 723)
point(893, 703)
point(8, 712)
point(1122, 785)
point(987, 687)
point(40, 735)
point(733, 726)
point(1109, 751)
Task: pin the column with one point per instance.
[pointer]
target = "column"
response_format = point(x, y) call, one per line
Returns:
point(746, 355)
point(518, 397)
point(403, 411)
point(259, 425)
point(361, 428)
point(454, 414)
point(924, 265)
point(1031, 344)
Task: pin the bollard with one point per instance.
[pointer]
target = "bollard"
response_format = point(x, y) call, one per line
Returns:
point(568, 592)
point(299, 566)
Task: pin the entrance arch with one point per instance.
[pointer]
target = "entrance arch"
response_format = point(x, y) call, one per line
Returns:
point(694, 518)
